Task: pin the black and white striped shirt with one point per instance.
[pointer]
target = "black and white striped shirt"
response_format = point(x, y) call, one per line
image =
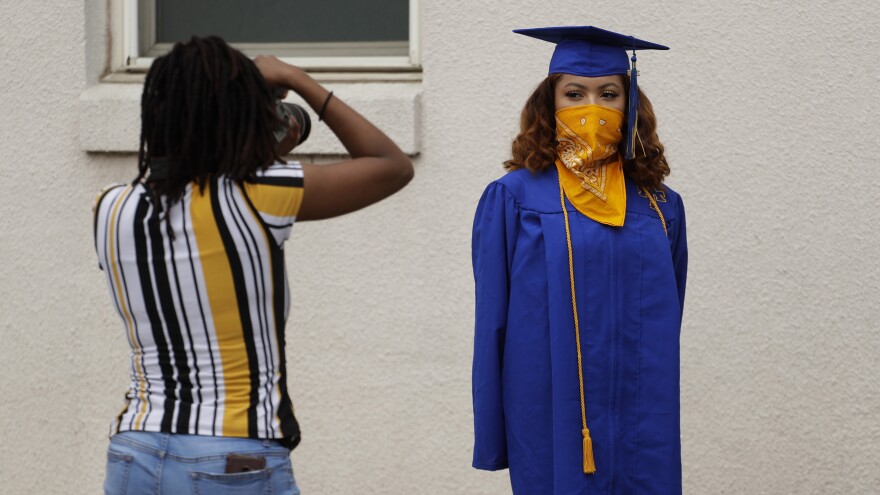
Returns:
point(204, 306)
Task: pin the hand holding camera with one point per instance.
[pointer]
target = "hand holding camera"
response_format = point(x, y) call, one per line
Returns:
point(279, 75)
point(376, 165)
point(298, 127)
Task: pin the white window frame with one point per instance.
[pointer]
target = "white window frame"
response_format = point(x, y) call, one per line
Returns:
point(127, 39)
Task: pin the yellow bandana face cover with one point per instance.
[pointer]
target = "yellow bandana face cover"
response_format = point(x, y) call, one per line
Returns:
point(587, 135)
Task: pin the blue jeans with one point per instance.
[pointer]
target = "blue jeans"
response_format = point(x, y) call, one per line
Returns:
point(140, 462)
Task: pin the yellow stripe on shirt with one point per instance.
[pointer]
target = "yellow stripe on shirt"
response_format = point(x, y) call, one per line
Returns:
point(225, 314)
point(278, 201)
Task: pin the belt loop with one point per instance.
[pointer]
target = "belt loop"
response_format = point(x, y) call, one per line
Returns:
point(163, 449)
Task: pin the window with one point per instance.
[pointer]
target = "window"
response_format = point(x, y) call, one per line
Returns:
point(328, 35)
point(342, 43)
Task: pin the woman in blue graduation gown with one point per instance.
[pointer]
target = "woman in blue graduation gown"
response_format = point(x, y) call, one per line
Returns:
point(580, 261)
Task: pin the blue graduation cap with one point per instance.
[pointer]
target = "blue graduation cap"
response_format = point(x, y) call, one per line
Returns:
point(593, 52)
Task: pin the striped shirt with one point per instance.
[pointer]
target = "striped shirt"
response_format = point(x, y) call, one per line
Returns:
point(204, 299)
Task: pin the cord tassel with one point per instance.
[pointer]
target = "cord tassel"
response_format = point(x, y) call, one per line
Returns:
point(589, 463)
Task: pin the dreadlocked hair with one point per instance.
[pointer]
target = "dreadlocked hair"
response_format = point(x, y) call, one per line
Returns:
point(206, 110)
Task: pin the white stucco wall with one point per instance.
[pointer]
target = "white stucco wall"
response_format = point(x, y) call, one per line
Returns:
point(769, 115)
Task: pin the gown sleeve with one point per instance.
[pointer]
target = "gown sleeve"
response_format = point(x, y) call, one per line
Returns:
point(494, 235)
point(680, 252)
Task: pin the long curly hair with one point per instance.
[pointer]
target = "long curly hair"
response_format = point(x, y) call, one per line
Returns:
point(535, 146)
point(207, 111)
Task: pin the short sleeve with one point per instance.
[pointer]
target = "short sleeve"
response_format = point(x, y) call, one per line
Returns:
point(100, 211)
point(276, 194)
point(494, 235)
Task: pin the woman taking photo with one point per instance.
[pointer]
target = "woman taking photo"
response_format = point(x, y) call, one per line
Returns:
point(193, 254)
point(580, 261)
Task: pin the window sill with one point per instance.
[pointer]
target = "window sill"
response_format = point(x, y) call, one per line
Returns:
point(323, 76)
point(109, 112)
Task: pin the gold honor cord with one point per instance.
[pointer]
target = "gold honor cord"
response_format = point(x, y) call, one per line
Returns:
point(589, 462)
point(656, 208)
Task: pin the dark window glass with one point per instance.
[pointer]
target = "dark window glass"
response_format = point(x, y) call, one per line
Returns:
point(274, 21)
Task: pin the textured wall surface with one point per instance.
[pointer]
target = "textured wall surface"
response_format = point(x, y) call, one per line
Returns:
point(769, 112)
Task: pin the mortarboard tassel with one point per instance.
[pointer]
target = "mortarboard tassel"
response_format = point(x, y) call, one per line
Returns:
point(589, 463)
point(632, 114)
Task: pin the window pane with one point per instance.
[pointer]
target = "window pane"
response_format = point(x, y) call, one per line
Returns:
point(275, 21)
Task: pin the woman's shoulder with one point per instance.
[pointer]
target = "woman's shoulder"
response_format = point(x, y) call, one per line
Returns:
point(666, 198)
point(288, 174)
point(531, 190)
point(109, 191)
point(673, 196)
point(291, 169)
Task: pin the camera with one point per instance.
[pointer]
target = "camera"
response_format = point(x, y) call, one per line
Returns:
point(287, 110)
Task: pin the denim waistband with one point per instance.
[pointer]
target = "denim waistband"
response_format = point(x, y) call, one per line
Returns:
point(185, 448)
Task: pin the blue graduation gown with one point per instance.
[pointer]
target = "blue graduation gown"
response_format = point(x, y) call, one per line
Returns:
point(630, 284)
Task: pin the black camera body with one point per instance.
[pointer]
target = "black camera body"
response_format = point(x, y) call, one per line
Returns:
point(285, 112)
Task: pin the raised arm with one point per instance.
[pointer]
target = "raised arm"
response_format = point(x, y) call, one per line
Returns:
point(377, 168)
